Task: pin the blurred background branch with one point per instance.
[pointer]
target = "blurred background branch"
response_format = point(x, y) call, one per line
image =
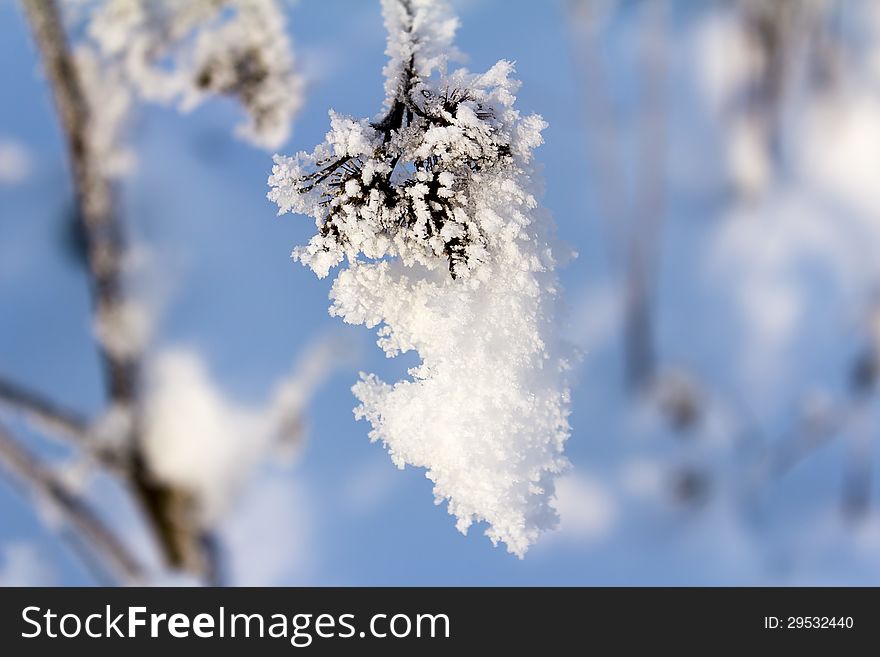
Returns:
point(169, 511)
point(35, 407)
point(49, 489)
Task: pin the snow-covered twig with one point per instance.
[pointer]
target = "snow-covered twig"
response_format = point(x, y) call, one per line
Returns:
point(200, 440)
point(73, 510)
point(181, 53)
point(94, 192)
point(432, 205)
point(167, 509)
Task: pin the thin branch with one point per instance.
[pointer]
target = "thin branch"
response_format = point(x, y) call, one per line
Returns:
point(94, 192)
point(649, 206)
point(634, 221)
point(602, 140)
point(47, 486)
point(44, 412)
point(393, 119)
point(168, 510)
point(857, 476)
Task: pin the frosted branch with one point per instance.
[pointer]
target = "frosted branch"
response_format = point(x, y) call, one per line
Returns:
point(181, 53)
point(432, 206)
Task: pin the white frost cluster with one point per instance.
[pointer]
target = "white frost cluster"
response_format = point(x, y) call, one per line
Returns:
point(432, 206)
point(199, 439)
point(172, 52)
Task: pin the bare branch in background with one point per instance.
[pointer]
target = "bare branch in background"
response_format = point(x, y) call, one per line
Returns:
point(167, 509)
point(94, 192)
point(44, 412)
point(634, 220)
point(857, 473)
point(42, 482)
point(772, 28)
point(606, 163)
point(649, 204)
point(790, 47)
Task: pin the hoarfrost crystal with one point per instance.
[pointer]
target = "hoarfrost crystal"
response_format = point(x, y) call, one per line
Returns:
point(432, 206)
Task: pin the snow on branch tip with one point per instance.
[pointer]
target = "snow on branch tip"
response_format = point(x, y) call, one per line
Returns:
point(432, 206)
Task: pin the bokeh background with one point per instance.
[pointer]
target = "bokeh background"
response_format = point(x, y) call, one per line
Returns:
point(716, 167)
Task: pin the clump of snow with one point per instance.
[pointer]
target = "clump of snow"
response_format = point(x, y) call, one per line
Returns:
point(198, 438)
point(432, 205)
point(180, 53)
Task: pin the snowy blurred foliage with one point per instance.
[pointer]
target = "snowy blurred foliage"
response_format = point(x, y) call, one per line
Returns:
point(742, 278)
point(181, 53)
